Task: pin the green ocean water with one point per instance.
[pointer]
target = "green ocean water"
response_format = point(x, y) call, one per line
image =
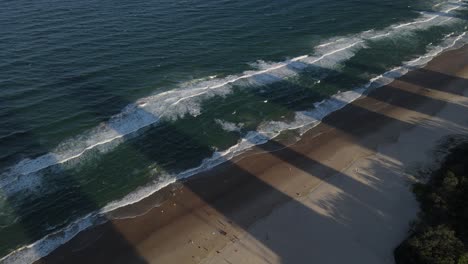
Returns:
point(104, 102)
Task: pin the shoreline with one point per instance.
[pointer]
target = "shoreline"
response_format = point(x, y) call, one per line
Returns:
point(228, 205)
point(53, 240)
point(212, 201)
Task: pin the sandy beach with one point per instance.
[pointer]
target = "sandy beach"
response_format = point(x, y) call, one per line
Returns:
point(339, 195)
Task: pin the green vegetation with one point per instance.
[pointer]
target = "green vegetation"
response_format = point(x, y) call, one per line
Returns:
point(440, 235)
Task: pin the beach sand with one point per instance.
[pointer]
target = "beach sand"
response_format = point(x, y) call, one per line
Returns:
point(339, 195)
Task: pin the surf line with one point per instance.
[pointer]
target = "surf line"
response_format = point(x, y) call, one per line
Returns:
point(203, 90)
point(297, 59)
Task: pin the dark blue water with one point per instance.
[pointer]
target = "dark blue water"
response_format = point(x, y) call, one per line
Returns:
point(101, 98)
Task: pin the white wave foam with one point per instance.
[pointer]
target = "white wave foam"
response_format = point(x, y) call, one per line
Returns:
point(171, 104)
point(179, 102)
point(430, 16)
point(228, 126)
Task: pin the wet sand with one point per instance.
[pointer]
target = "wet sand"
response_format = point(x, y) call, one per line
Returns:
point(340, 194)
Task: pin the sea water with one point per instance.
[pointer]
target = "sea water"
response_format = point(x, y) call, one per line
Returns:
point(103, 103)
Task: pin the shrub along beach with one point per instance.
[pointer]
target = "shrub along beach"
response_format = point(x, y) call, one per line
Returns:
point(440, 234)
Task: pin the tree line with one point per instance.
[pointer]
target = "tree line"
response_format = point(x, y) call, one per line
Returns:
point(440, 234)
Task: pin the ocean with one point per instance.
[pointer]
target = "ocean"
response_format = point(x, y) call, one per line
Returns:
point(103, 103)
